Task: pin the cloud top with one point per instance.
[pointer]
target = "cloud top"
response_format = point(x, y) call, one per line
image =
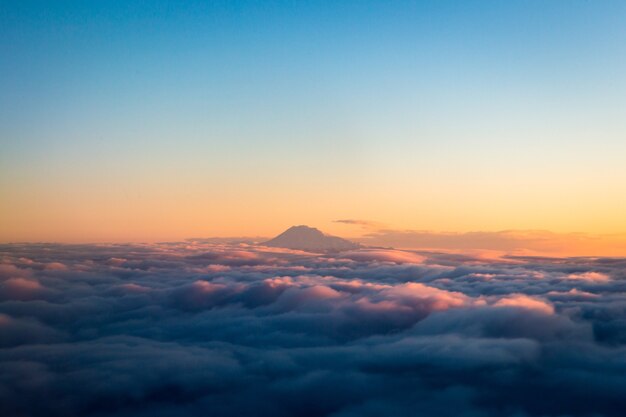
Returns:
point(218, 328)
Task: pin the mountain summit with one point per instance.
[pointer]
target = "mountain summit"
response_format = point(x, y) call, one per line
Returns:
point(309, 239)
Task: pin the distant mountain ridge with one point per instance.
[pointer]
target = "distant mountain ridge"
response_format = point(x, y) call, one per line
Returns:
point(309, 239)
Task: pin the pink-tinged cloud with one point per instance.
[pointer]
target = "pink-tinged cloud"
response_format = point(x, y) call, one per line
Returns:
point(10, 270)
point(134, 288)
point(383, 255)
point(212, 268)
point(21, 288)
point(434, 299)
point(573, 293)
point(117, 261)
point(56, 266)
point(205, 287)
point(315, 296)
point(526, 302)
point(590, 277)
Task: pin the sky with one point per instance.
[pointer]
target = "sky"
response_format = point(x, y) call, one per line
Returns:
point(150, 121)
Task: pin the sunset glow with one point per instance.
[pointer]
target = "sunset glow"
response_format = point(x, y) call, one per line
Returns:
point(279, 115)
point(272, 208)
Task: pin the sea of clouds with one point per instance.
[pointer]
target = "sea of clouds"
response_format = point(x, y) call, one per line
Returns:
point(200, 328)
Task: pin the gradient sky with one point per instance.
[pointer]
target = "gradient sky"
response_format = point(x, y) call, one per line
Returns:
point(158, 120)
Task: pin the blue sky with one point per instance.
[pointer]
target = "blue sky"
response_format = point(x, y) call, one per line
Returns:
point(123, 96)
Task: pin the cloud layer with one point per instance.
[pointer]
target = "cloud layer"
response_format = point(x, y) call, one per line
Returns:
point(225, 329)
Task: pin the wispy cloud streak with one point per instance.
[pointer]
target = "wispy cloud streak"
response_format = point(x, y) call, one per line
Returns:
point(532, 242)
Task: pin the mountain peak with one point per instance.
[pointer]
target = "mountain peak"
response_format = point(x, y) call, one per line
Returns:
point(304, 229)
point(309, 239)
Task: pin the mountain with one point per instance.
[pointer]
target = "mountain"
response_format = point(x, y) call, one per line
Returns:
point(309, 239)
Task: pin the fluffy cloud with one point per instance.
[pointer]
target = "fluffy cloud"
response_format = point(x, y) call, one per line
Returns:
point(524, 301)
point(218, 328)
point(590, 276)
